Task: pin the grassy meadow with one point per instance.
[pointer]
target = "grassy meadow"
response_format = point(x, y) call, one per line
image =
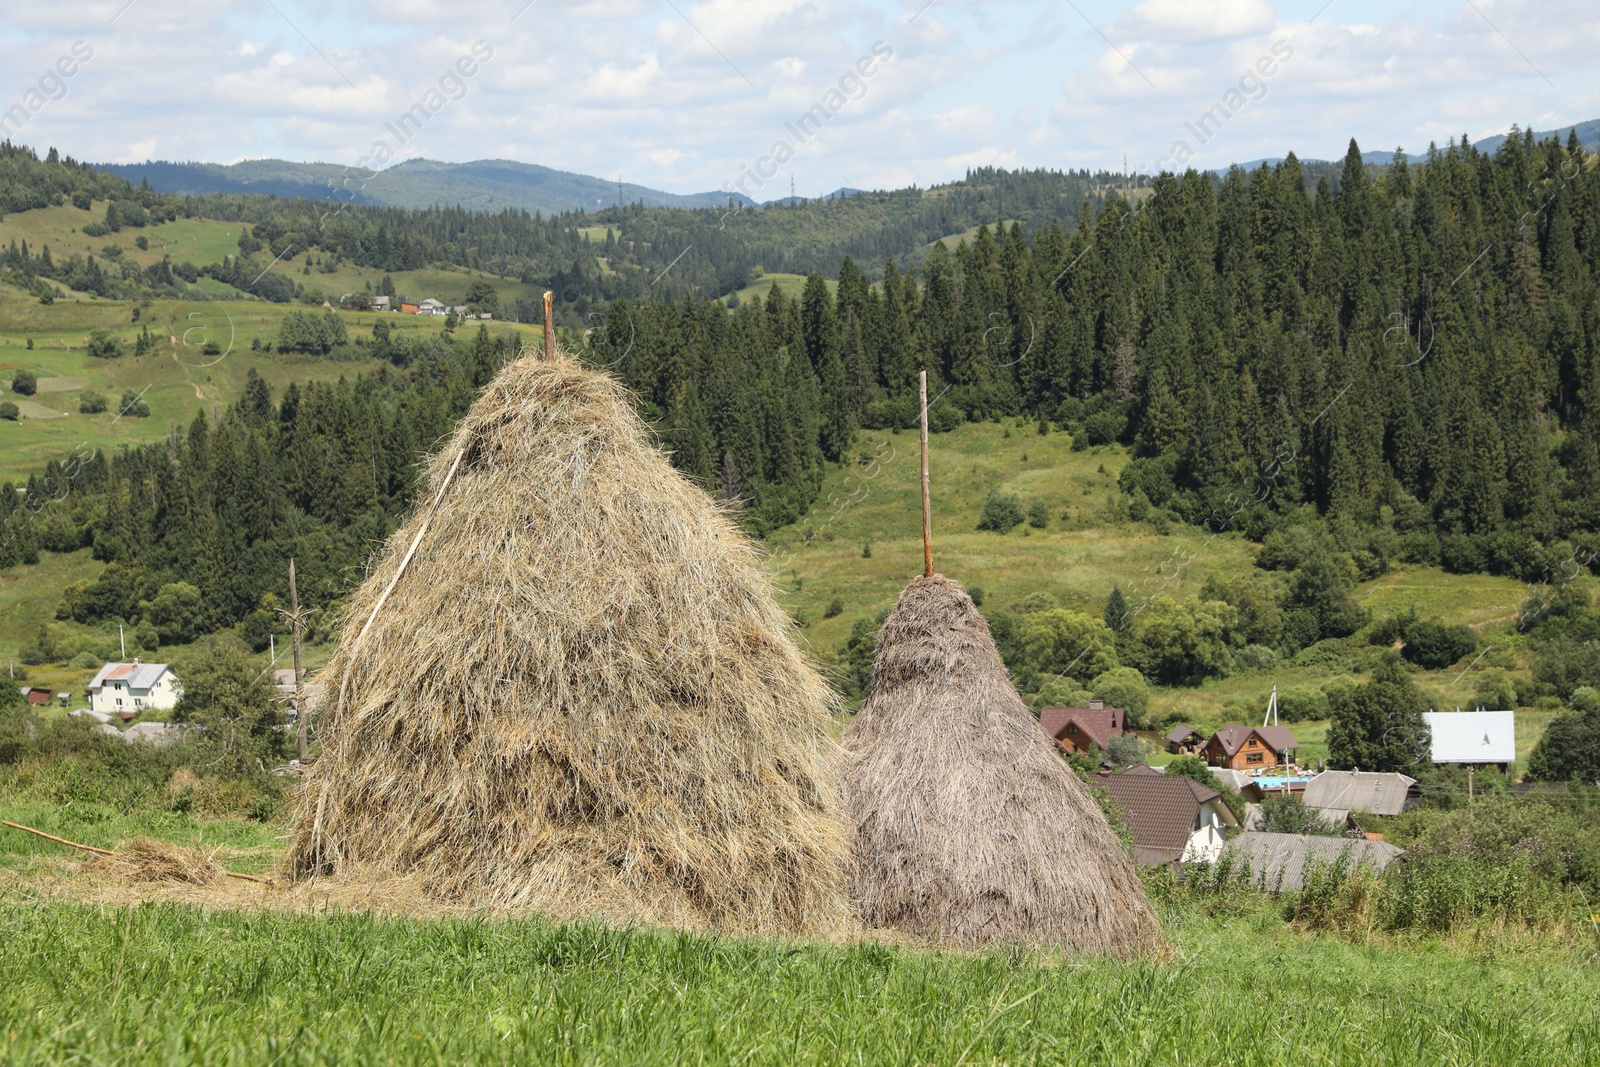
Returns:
point(165, 983)
point(1078, 557)
point(177, 379)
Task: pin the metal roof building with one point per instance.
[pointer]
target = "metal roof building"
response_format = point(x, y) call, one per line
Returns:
point(1362, 791)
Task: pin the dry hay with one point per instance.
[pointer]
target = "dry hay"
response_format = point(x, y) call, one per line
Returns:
point(145, 859)
point(970, 827)
point(581, 697)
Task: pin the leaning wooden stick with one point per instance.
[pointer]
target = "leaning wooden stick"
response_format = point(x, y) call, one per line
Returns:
point(549, 325)
point(927, 514)
point(108, 852)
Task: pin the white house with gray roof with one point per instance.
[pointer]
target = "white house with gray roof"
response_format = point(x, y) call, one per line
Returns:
point(126, 689)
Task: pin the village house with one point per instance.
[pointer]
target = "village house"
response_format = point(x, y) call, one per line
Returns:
point(1075, 729)
point(1474, 738)
point(1250, 748)
point(1185, 740)
point(431, 306)
point(126, 689)
point(1173, 819)
point(1279, 861)
point(408, 308)
point(1336, 794)
point(381, 303)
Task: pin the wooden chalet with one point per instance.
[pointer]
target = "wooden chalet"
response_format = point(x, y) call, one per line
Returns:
point(1249, 748)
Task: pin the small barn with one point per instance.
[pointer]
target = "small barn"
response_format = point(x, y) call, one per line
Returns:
point(1280, 861)
point(1474, 738)
point(1075, 729)
point(1184, 739)
point(38, 695)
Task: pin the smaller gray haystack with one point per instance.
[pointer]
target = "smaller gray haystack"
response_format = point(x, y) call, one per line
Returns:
point(970, 827)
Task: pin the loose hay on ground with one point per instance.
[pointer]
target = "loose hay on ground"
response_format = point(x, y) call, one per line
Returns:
point(144, 859)
point(581, 696)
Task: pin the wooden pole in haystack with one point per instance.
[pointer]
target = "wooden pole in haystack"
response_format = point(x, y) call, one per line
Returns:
point(299, 671)
point(927, 512)
point(549, 325)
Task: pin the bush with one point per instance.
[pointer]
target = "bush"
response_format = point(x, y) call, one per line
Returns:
point(103, 344)
point(834, 609)
point(1291, 815)
point(1002, 512)
point(1126, 750)
point(1038, 515)
point(1435, 645)
point(1569, 750)
point(1494, 689)
point(1255, 658)
point(84, 661)
point(133, 405)
point(23, 383)
point(9, 411)
point(91, 402)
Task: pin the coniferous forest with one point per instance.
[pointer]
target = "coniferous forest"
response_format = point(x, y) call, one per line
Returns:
point(1406, 358)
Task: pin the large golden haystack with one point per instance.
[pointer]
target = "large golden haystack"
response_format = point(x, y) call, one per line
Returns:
point(970, 827)
point(581, 697)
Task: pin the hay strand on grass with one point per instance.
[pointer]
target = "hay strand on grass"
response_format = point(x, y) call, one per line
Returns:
point(971, 829)
point(580, 696)
point(144, 859)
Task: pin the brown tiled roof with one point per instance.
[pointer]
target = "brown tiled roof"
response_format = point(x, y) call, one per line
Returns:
point(1232, 736)
point(1160, 810)
point(1182, 732)
point(1278, 737)
point(1100, 725)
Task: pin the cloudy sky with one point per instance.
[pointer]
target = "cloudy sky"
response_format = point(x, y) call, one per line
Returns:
point(684, 95)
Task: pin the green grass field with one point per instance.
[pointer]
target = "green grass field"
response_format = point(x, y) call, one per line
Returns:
point(177, 379)
point(791, 285)
point(165, 983)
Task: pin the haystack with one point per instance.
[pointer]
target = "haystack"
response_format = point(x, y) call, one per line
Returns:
point(580, 696)
point(970, 827)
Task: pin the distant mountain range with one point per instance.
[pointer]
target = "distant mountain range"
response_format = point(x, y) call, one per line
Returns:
point(1588, 136)
point(496, 184)
point(482, 185)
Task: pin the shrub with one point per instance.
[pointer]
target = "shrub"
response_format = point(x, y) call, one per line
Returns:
point(91, 402)
point(1569, 749)
point(1435, 645)
point(1126, 750)
point(23, 383)
point(1494, 689)
point(9, 411)
point(1291, 815)
point(133, 405)
point(1001, 512)
point(1038, 515)
point(834, 609)
point(103, 344)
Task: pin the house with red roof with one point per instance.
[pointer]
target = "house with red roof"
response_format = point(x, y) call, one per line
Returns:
point(126, 689)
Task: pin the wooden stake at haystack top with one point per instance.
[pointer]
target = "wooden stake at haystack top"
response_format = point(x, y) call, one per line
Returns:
point(927, 513)
point(549, 325)
point(969, 826)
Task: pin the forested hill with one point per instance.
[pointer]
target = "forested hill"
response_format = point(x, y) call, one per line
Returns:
point(481, 185)
point(1408, 365)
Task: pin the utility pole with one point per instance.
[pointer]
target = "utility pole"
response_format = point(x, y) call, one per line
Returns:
point(1470, 769)
point(299, 695)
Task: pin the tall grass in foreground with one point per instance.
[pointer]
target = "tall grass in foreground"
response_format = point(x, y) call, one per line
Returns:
point(168, 984)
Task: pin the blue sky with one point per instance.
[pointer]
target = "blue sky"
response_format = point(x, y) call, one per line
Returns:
point(689, 96)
